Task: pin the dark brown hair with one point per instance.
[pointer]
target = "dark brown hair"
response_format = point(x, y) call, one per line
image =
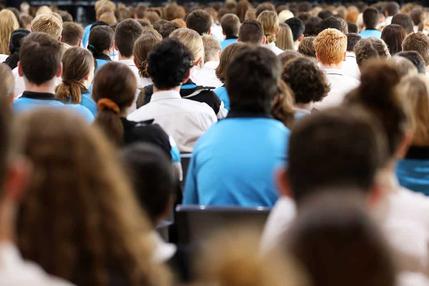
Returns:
point(230, 25)
point(393, 35)
point(142, 47)
point(77, 64)
point(418, 42)
point(251, 32)
point(200, 21)
point(72, 33)
point(126, 33)
point(114, 91)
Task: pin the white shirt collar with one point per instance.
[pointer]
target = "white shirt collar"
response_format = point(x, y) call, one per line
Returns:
point(128, 62)
point(211, 64)
point(165, 95)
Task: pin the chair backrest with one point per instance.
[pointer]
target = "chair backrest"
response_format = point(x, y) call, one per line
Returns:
point(197, 223)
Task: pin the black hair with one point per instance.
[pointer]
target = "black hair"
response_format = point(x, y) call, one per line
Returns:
point(325, 14)
point(353, 28)
point(334, 23)
point(297, 26)
point(312, 26)
point(168, 63)
point(370, 18)
point(100, 39)
point(352, 39)
point(16, 39)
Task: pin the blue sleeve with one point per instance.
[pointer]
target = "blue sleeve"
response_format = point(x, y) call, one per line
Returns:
point(85, 37)
point(190, 196)
point(83, 111)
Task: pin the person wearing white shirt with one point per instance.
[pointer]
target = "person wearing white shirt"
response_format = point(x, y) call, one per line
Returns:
point(185, 120)
point(207, 74)
point(271, 26)
point(350, 66)
point(331, 46)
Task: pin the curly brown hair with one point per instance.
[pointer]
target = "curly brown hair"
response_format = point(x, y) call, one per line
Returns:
point(307, 81)
point(79, 219)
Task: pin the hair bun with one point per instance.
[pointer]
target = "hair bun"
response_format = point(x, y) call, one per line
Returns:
point(108, 104)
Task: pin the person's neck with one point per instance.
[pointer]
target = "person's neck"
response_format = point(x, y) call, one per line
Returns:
point(48, 87)
point(7, 221)
point(304, 106)
point(332, 66)
point(370, 29)
point(177, 88)
point(122, 58)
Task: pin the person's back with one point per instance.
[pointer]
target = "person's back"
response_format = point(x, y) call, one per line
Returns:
point(233, 162)
point(185, 120)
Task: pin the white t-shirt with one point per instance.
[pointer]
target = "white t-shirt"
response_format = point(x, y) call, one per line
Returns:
point(206, 76)
point(272, 47)
point(350, 66)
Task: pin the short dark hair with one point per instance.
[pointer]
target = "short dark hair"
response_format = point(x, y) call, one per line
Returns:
point(251, 80)
point(126, 33)
point(230, 25)
point(168, 63)
point(352, 39)
point(391, 8)
point(393, 35)
point(152, 176)
point(312, 26)
point(40, 57)
point(353, 28)
point(405, 21)
point(370, 18)
point(264, 6)
point(297, 26)
point(200, 21)
point(165, 28)
point(5, 122)
point(72, 33)
point(416, 59)
point(335, 23)
point(325, 14)
point(306, 47)
point(307, 81)
point(251, 31)
point(100, 39)
point(352, 159)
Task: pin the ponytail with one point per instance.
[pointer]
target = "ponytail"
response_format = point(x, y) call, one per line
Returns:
point(70, 91)
point(109, 120)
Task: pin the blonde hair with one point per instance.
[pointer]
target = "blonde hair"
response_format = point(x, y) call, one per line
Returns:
point(414, 90)
point(8, 24)
point(104, 4)
point(7, 81)
point(330, 46)
point(270, 24)
point(192, 40)
point(49, 24)
point(285, 38)
point(109, 18)
point(43, 10)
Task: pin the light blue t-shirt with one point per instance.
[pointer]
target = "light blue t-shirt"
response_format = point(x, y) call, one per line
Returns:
point(234, 163)
point(89, 103)
point(222, 94)
point(225, 43)
point(370, 33)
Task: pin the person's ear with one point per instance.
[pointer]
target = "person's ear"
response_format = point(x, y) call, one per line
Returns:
point(283, 185)
point(20, 71)
point(405, 144)
point(17, 177)
point(300, 38)
point(187, 76)
point(263, 40)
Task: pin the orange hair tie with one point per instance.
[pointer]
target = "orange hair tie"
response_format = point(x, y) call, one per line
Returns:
point(106, 103)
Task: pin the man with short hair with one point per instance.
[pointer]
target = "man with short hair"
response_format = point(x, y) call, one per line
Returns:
point(251, 32)
point(230, 26)
point(335, 23)
point(418, 42)
point(200, 21)
point(40, 65)
point(370, 20)
point(72, 34)
point(169, 66)
point(233, 162)
point(297, 27)
point(390, 10)
point(331, 47)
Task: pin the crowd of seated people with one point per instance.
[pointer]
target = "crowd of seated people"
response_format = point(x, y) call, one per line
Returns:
point(295, 135)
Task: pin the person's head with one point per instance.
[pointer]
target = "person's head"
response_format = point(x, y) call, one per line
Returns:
point(393, 35)
point(40, 58)
point(312, 26)
point(378, 94)
point(142, 47)
point(165, 28)
point(230, 25)
point(211, 48)
point(391, 9)
point(270, 24)
point(226, 57)
point(307, 81)
point(109, 18)
point(336, 242)
point(306, 47)
point(72, 34)
point(102, 6)
point(330, 46)
point(417, 15)
point(251, 80)
point(352, 159)
point(169, 64)
point(193, 41)
point(297, 26)
point(113, 90)
point(414, 90)
point(284, 38)
point(404, 21)
point(415, 58)
point(7, 83)
point(287, 56)
point(370, 48)
point(404, 66)
point(251, 32)
point(78, 73)
point(49, 24)
point(200, 21)
point(352, 40)
point(265, 6)
point(370, 18)
point(152, 177)
point(334, 23)
point(100, 40)
point(284, 15)
point(324, 14)
point(353, 28)
point(76, 189)
point(126, 33)
point(173, 11)
point(8, 24)
point(16, 40)
point(418, 42)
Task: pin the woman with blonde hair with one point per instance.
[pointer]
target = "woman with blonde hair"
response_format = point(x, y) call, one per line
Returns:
point(413, 170)
point(79, 219)
point(271, 26)
point(284, 38)
point(8, 24)
point(78, 73)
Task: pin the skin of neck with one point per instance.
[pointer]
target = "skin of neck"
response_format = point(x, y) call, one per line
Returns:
point(7, 220)
point(47, 87)
point(333, 65)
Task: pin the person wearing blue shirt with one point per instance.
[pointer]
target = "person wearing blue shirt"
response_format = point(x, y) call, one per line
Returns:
point(230, 26)
point(40, 63)
point(235, 161)
point(101, 44)
point(370, 20)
